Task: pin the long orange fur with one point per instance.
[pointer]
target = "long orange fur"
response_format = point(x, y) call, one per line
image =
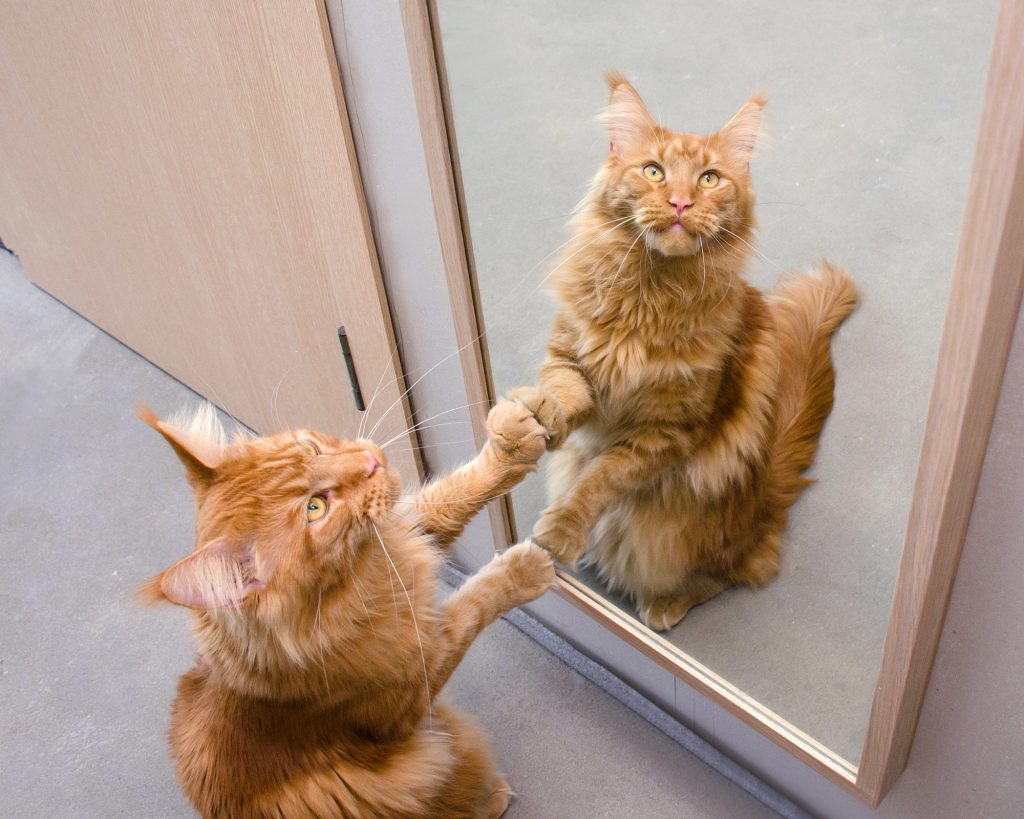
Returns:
point(693, 401)
point(321, 648)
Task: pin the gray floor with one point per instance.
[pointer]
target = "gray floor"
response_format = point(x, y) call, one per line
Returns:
point(870, 131)
point(91, 503)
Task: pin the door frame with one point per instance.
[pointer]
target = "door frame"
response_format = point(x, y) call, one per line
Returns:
point(985, 296)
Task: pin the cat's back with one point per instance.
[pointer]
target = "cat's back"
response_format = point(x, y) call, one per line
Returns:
point(240, 755)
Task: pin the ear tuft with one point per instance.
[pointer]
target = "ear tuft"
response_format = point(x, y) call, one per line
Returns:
point(149, 593)
point(630, 124)
point(743, 130)
point(198, 439)
point(146, 415)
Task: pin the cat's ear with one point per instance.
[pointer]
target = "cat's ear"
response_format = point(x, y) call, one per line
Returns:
point(630, 124)
point(742, 131)
point(200, 456)
point(221, 574)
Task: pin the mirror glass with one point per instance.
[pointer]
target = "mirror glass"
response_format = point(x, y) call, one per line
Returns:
point(864, 159)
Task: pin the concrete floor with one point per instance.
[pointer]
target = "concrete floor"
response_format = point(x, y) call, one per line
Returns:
point(870, 132)
point(92, 503)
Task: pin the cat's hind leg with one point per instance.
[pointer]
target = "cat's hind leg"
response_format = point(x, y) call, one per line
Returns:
point(474, 789)
point(761, 564)
point(662, 613)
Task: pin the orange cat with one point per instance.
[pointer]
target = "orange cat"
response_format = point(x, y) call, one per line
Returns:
point(321, 649)
point(694, 402)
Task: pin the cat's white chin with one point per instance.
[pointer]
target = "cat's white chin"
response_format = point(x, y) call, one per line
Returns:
point(673, 241)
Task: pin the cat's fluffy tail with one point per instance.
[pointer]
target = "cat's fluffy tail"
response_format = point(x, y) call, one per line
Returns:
point(807, 310)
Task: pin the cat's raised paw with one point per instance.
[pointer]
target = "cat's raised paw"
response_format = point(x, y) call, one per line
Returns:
point(515, 432)
point(561, 536)
point(546, 410)
point(530, 569)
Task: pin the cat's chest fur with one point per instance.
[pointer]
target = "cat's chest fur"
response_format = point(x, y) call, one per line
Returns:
point(649, 351)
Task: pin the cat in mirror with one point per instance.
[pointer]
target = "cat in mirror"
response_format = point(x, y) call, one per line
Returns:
point(684, 403)
point(321, 648)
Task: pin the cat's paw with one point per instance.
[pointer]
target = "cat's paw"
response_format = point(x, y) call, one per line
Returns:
point(665, 612)
point(500, 798)
point(515, 432)
point(548, 412)
point(557, 532)
point(530, 569)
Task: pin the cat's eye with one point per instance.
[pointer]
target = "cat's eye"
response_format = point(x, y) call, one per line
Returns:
point(708, 179)
point(316, 508)
point(309, 447)
point(653, 172)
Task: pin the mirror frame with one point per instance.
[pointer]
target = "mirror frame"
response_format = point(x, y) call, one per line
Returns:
point(985, 295)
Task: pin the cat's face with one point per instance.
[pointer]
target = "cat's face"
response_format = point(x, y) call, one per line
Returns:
point(680, 191)
point(276, 516)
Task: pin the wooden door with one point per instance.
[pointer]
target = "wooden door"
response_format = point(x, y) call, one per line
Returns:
point(182, 174)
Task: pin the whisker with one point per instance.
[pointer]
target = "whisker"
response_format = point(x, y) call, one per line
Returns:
point(758, 252)
point(703, 265)
point(418, 428)
point(421, 447)
point(450, 501)
point(416, 625)
point(574, 254)
point(376, 390)
point(419, 424)
point(566, 243)
point(275, 415)
point(398, 400)
point(357, 587)
point(320, 634)
point(615, 278)
point(728, 289)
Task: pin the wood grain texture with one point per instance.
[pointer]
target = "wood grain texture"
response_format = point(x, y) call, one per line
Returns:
point(182, 174)
point(984, 300)
point(430, 88)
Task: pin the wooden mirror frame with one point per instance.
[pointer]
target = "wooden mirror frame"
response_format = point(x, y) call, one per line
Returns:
point(984, 298)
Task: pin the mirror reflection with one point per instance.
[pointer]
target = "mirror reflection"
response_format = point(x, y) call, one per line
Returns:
point(651, 282)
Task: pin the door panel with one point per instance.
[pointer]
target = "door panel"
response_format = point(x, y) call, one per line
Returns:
point(182, 174)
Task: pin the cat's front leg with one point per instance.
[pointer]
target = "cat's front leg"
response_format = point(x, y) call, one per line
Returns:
point(515, 443)
point(518, 575)
point(548, 411)
point(563, 527)
point(563, 396)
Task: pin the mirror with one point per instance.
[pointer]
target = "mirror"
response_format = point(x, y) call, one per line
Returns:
point(865, 158)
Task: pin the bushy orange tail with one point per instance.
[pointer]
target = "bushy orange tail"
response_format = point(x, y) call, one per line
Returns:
point(807, 309)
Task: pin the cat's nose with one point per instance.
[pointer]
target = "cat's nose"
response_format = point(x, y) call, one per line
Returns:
point(680, 204)
point(372, 463)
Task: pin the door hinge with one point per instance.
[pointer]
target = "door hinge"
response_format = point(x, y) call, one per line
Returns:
point(350, 365)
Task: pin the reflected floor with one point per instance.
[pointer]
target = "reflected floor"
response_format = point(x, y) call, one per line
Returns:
point(871, 127)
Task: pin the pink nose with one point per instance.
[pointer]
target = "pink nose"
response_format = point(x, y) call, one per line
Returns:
point(680, 204)
point(372, 464)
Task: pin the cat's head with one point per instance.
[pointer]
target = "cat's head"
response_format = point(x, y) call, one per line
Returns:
point(276, 516)
point(680, 189)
